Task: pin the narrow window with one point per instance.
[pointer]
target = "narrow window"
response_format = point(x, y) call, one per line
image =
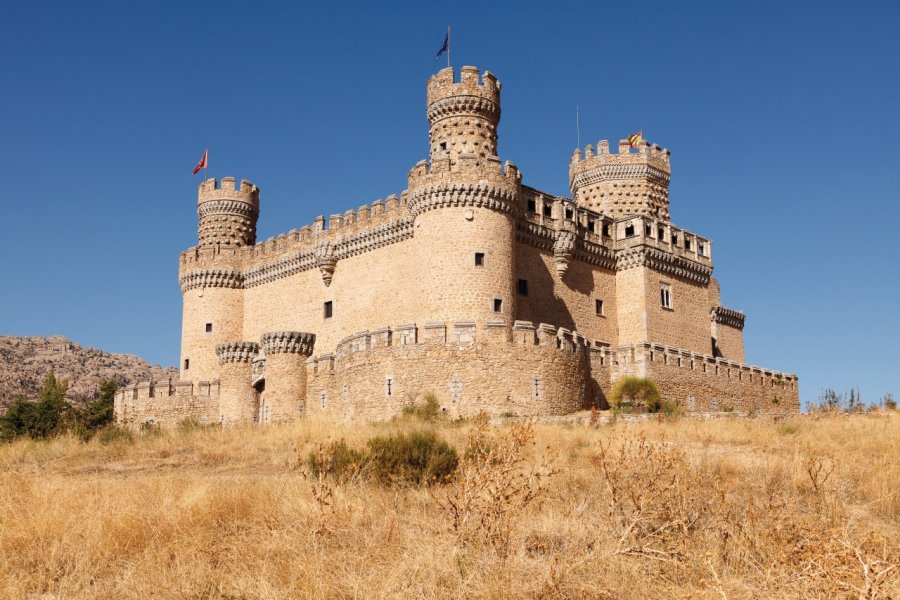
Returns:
point(209, 328)
point(548, 210)
point(323, 398)
point(389, 386)
point(687, 244)
point(660, 234)
point(187, 364)
point(592, 226)
point(598, 306)
point(498, 305)
point(443, 146)
point(606, 230)
point(675, 238)
point(479, 259)
point(647, 229)
point(568, 214)
point(665, 295)
point(523, 287)
point(701, 248)
point(328, 310)
point(532, 207)
point(629, 230)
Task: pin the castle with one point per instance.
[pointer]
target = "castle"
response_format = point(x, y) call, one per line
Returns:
point(469, 285)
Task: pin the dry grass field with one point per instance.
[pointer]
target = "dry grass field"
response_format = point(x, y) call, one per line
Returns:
point(807, 507)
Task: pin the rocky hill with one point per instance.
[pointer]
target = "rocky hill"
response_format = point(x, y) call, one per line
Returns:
point(25, 361)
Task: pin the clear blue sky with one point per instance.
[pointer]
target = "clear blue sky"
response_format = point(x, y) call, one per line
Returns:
point(782, 119)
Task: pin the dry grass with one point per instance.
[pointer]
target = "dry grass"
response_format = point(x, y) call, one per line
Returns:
point(737, 508)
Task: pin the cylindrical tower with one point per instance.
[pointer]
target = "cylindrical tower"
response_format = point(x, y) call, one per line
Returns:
point(227, 215)
point(210, 275)
point(464, 204)
point(463, 117)
point(238, 400)
point(624, 184)
point(286, 353)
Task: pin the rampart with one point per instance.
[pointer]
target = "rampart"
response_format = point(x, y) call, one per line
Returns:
point(166, 403)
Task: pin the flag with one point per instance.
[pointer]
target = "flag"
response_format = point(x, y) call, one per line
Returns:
point(202, 163)
point(636, 139)
point(445, 47)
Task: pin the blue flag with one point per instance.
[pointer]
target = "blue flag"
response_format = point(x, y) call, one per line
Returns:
point(444, 47)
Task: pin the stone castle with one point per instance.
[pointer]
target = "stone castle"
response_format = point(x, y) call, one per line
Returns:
point(469, 285)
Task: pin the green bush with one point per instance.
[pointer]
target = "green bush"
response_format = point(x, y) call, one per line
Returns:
point(420, 457)
point(338, 460)
point(38, 420)
point(428, 411)
point(635, 394)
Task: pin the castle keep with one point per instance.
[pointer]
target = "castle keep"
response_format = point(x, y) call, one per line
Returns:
point(470, 285)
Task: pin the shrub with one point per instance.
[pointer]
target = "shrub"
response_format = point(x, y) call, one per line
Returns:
point(38, 420)
point(428, 411)
point(633, 394)
point(420, 457)
point(336, 459)
point(112, 434)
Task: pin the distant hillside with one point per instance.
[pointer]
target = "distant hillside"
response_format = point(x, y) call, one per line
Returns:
point(25, 361)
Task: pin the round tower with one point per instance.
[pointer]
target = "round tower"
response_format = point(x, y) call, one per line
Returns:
point(464, 203)
point(463, 116)
point(227, 216)
point(622, 184)
point(210, 275)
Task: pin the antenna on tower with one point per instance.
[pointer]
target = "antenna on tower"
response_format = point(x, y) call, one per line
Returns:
point(577, 129)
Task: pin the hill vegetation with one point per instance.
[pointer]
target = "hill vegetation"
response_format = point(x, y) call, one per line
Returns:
point(806, 507)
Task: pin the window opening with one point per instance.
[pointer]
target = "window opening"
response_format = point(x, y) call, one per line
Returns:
point(523, 287)
point(187, 364)
point(328, 309)
point(598, 306)
point(665, 295)
point(629, 230)
point(498, 305)
point(479, 259)
point(209, 328)
point(532, 206)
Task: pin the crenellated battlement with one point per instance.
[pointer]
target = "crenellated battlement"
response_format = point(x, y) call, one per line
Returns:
point(212, 189)
point(444, 84)
point(227, 215)
point(623, 183)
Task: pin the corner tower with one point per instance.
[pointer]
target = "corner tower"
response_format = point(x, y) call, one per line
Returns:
point(624, 184)
point(464, 203)
point(463, 116)
point(227, 216)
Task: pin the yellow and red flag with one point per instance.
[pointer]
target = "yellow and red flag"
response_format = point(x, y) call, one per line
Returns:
point(636, 139)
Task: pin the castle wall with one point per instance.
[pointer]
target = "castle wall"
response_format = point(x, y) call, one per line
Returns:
point(700, 382)
point(166, 404)
point(729, 341)
point(521, 370)
point(568, 303)
point(223, 308)
point(686, 324)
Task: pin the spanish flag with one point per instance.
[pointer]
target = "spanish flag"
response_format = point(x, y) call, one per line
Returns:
point(636, 139)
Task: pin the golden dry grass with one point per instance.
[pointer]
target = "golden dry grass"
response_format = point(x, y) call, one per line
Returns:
point(735, 508)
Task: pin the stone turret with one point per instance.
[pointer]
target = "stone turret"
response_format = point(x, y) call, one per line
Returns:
point(286, 353)
point(624, 184)
point(227, 215)
point(463, 116)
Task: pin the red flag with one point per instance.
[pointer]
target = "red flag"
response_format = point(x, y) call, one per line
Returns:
point(202, 163)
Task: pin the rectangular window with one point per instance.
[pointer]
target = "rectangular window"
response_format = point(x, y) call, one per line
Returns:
point(523, 287)
point(569, 214)
point(443, 146)
point(665, 295)
point(328, 310)
point(647, 229)
point(660, 234)
point(700, 248)
point(548, 210)
point(687, 244)
point(532, 207)
point(187, 364)
point(592, 226)
point(389, 386)
point(479, 259)
point(629, 230)
point(606, 230)
point(498, 305)
point(675, 238)
point(598, 306)
point(209, 328)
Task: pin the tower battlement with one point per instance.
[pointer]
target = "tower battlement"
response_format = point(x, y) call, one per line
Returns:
point(227, 214)
point(443, 84)
point(624, 183)
point(463, 115)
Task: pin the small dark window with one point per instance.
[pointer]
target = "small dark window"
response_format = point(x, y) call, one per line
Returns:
point(660, 234)
point(548, 210)
point(479, 259)
point(701, 248)
point(647, 229)
point(592, 226)
point(665, 295)
point(209, 328)
point(598, 306)
point(629, 230)
point(532, 207)
point(443, 146)
point(687, 244)
point(498, 305)
point(523, 287)
point(674, 238)
point(187, 364)
point(328, 310)
point(606, 230)
point(569, 214)
point(389, 386)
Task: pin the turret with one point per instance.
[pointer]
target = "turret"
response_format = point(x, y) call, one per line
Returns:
point(630, 182)
point(463, 116)
point(464, 203)
point(227, 215)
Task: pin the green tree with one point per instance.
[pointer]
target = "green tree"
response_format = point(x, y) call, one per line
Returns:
point(99, 413)
point(39, 419)
point(636, 393)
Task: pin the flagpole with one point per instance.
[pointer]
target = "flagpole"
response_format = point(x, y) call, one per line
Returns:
point(448, 45)
point(577, 128)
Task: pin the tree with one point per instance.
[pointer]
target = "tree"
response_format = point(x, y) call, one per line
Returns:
point(99, 413)
point(636, 393)
point(39, 419)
